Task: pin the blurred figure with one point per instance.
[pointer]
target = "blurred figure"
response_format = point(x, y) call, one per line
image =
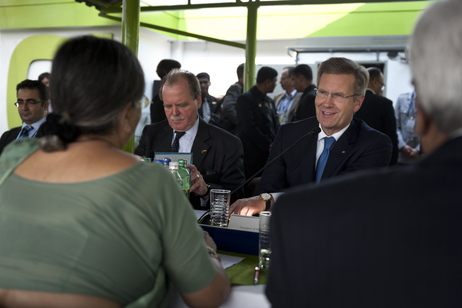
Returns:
point(257, 122)
point(45, 79)
point(209, 103)
point(32, 103)
point(388, 238)
point(287, 102)
point(217, 155)
point(303, 82)
point(377, 111)
point(228, 106)
point(157, 106)
point(97, 228)
point(408, 139)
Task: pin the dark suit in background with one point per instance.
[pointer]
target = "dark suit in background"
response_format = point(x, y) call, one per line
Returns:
point(257, 126)
point(11, 135)
point(217, 154)
point(384, 239)
point(360, 147)
point(377, 111)
point(306, 107)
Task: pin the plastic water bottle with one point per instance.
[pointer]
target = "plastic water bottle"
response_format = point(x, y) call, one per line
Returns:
point(185, 176)
point(173, 166)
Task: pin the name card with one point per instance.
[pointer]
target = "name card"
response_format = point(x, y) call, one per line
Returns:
point(244, 223)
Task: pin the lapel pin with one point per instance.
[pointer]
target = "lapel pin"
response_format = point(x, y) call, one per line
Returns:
point(343, 152)
point(203, 151)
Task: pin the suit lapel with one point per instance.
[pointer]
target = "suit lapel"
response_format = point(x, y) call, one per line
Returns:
point(200, 146)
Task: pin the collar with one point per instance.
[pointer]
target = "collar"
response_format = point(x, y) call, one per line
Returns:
point(369, 89)
point(337, 135)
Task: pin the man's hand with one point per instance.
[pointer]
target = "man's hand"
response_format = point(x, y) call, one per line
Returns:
point(198, 186)
point(409, 152)
point(247, 206)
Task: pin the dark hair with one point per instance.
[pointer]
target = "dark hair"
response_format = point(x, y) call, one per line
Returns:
point(165, 66)
point(304, 70)
point(44, 75)
point(203, 75)
point(240, 71)
point(266, 73)
point(175, 75)
point(34, 84)
point(374, 73)
point(97, 78)
point(346, 66)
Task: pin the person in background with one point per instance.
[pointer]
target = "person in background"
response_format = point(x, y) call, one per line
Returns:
point(377, 111)
point(32, 103)
point(287, 102)
point(303, 83)
point(228, 106)
point(257, 123)
point(388, 238)
point(209, 103)
point(97, 228)
point(338, 144)
point(408, 139)
point(157, 106)
point(217, 154)
point(45, 79)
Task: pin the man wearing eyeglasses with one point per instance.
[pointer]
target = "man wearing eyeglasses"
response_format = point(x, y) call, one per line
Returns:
point(343, 144)
point(32, 103)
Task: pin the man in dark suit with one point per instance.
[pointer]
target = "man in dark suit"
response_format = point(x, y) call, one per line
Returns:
point(210, 108)
point(217, 154)
point(302, 76)
point(354, 145)
point(32, 103)
point(389, 238)
point(257, 122)
point(377, 111)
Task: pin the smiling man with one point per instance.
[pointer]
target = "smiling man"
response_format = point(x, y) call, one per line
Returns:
point(32, 103)
point(217, 154)
point(352, 144)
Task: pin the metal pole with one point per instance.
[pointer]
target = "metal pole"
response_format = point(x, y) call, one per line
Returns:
point(251, 46)
point(130, 38)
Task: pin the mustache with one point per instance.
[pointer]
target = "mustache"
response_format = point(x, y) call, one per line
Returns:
point(178, 118)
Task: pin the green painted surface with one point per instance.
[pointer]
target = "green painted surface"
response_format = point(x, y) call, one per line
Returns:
point(279, 22)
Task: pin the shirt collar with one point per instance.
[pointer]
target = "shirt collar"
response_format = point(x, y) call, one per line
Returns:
point(337, 135)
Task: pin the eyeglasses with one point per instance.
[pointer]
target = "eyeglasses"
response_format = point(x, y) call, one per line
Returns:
point(335, 96)
point(27, 103)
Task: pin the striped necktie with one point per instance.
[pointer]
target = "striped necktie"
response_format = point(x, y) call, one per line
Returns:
point(24, 132)
point(176, 142)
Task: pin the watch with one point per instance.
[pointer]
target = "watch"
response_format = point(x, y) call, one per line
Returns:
point(267, 198)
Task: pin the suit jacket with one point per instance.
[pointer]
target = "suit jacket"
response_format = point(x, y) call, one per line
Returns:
point(293, 107)
point(11, 135)
point(388, 238)
point(216, 154)
point(360, 147)
point(306, 107)
point(377, 111)
point(257, 126)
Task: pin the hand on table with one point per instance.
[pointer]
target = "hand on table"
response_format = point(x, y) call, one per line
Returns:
point(247, 206)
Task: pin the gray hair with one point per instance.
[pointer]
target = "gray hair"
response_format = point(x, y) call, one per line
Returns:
point(435, 60)
point(174, 76)
point(346, 66)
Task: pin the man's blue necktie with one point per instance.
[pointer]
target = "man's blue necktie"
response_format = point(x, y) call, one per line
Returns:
point(24, 132)
point(328, 142)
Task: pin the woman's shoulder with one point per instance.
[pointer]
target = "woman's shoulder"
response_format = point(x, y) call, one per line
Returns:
point(16, 152)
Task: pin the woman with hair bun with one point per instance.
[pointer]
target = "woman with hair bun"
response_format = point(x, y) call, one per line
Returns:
point(85, 224)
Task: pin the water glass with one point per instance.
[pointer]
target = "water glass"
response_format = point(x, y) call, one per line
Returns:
point(219, 206)
point(264, 240)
